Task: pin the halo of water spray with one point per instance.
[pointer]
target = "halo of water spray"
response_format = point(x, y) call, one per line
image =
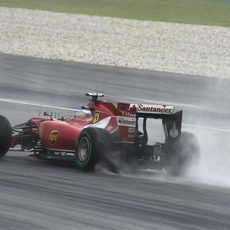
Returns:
point(214, 165)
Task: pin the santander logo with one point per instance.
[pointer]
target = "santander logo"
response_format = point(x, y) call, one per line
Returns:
point(155, 109)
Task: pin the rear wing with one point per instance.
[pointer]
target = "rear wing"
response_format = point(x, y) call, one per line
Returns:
point(171, 119)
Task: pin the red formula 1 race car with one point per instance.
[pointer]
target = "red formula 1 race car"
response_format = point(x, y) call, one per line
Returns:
point(103, 127)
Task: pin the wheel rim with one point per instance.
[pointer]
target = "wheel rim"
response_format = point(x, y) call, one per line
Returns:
point(83, 149)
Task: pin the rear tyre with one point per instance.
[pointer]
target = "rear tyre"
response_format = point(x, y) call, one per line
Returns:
point(181, 153)
point(92, 145)
point(5, 135)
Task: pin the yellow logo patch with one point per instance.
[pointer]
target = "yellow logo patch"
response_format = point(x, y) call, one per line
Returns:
point(53, 136)
point(96, 118)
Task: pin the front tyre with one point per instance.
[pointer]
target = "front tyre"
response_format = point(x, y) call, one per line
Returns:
point(5, 135)
point(92, 145)
point(181, 153)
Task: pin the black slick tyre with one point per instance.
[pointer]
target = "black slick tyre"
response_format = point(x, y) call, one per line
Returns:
point(181, 153)
point(5, 135)
point(92, 145)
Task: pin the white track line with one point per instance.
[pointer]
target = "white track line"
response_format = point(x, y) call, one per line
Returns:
point(21, 102)
point(70, 109)
point(206, 127)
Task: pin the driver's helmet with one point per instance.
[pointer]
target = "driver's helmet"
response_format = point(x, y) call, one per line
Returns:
point(83, 114)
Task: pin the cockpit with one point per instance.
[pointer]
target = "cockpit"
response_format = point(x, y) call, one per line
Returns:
point(83, 114)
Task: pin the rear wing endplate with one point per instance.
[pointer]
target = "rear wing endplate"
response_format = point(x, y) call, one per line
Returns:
point(171, 122)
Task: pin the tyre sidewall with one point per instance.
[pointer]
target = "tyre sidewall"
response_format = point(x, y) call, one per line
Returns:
point(83, 163)
point(99, 144)
point(5, 135)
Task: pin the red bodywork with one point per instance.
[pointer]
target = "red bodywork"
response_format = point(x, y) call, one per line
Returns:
point(62, 134)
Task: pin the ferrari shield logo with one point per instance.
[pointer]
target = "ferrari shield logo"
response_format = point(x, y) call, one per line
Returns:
point(53, 136)
point(96, 118)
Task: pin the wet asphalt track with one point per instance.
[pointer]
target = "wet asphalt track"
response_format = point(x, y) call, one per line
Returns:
point(39, 195)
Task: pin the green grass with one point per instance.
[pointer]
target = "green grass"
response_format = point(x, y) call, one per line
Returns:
point(206, 12)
